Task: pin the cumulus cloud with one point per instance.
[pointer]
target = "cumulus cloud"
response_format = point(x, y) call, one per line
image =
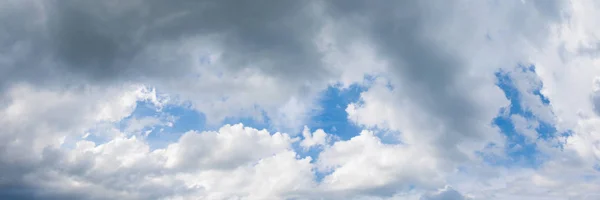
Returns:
point(259, 164)
point(314, 139)
point(364, 165)
point(240, 145)
point(38, 123)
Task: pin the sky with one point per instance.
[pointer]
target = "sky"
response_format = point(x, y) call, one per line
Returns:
point(295, 100)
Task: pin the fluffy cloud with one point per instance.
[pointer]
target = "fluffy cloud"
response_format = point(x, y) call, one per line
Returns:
point(315, 139)
point(43, 155)
point(364, 165)
point(229, 147)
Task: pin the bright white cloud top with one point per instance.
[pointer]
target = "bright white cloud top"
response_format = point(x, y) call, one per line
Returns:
point(342, 99)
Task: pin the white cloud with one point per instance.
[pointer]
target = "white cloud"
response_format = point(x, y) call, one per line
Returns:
point(315, 139)
point(231, 146)
point(34, 119)
point(364, 164)
point(280, 176)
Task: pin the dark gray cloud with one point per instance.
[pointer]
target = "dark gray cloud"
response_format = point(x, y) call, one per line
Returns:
point(401, 32)
point(72, 43)
point(110, 40)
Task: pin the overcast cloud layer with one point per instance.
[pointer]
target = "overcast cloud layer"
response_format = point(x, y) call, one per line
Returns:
point(459, 99)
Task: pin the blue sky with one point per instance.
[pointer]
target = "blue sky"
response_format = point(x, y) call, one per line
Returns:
point(520, 151)
point(333, 119)
point(330, 117)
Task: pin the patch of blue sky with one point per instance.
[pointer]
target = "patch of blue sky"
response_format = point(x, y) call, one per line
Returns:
point(332, 117)
point(186, 119)
point(519, 150)
point(183, 118)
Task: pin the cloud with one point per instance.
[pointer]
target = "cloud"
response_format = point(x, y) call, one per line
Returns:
point(364, 165)
point(315, 139)
point(258, 164)
point(445, 194)
point(596, 96)
point(181, 46)
point(231, 146)
point(102, 40)
point(445, 81)
point(72, 72)
point(40, 123)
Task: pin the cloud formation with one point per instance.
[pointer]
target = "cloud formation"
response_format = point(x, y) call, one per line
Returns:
point(468, 91)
